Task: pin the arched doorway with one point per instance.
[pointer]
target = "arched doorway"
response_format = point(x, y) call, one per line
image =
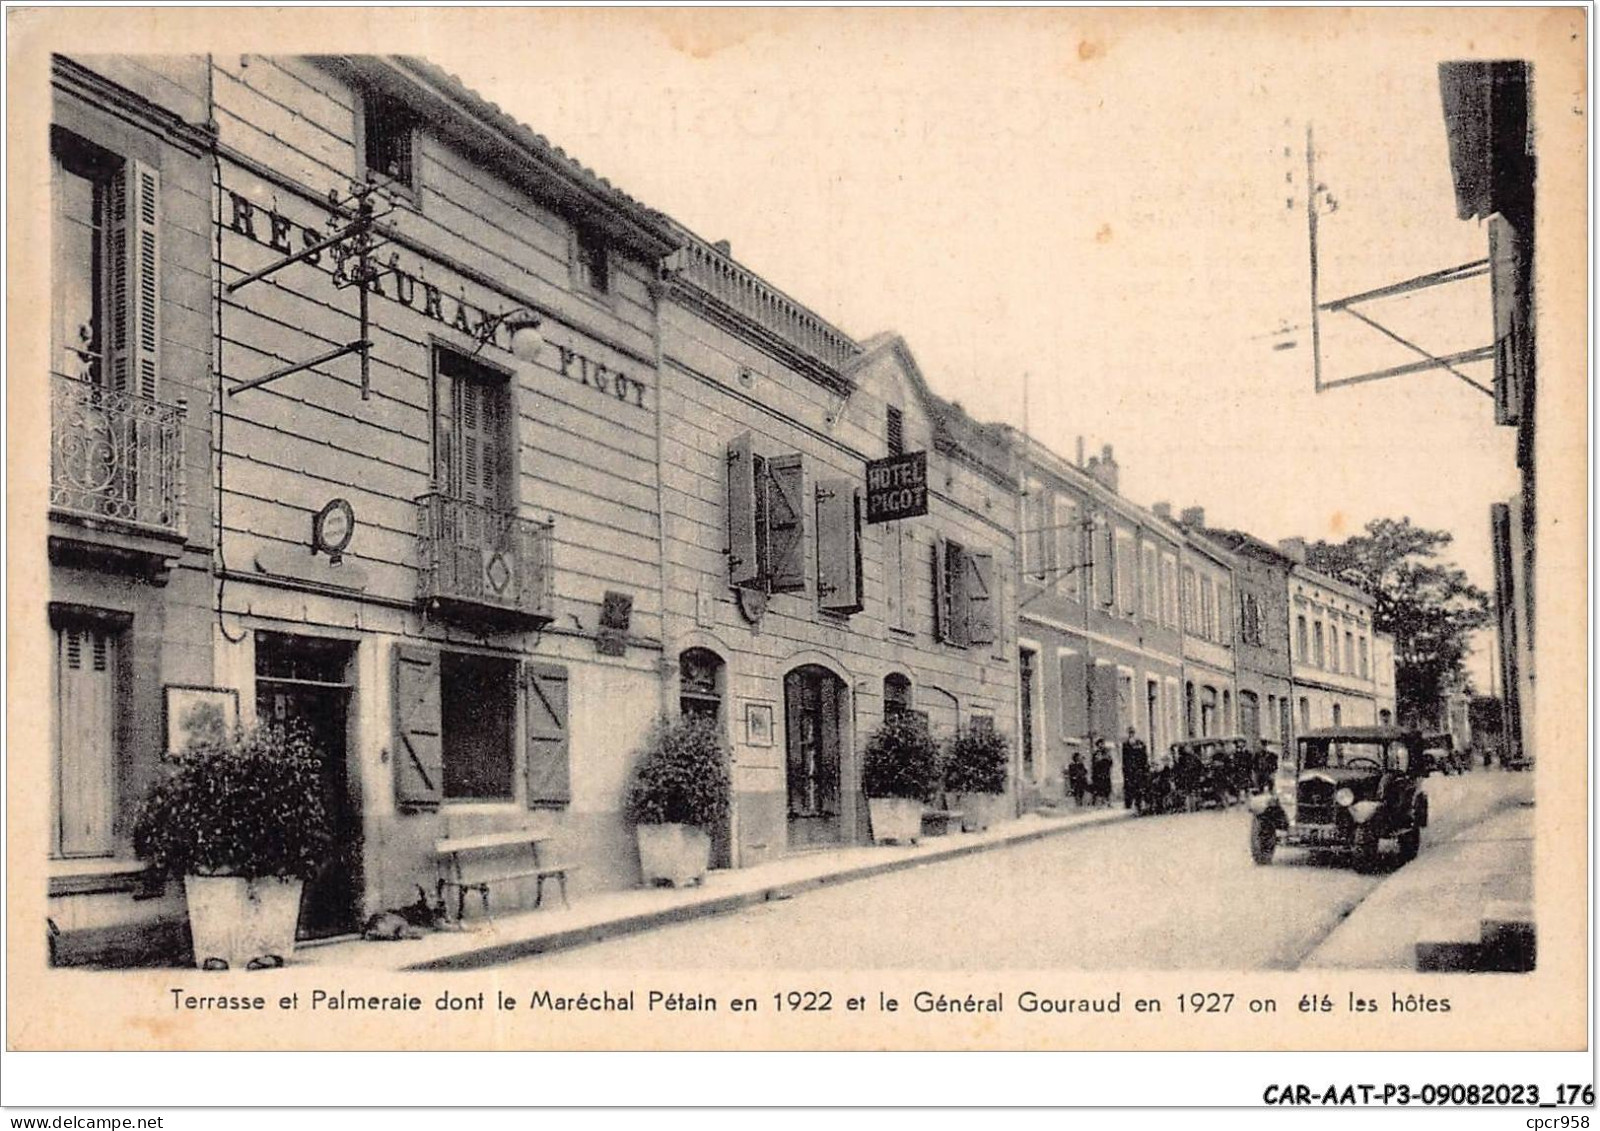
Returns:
point(813, 709)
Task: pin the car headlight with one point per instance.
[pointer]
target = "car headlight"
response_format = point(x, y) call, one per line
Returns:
point(1345, 797)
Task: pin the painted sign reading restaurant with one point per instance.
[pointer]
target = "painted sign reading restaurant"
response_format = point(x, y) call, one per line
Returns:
point(273, 230)
point(897, 487)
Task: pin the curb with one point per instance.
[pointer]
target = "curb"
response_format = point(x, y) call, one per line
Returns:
point(495, 954)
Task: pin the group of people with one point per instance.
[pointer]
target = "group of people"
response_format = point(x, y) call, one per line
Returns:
point(1094, 781)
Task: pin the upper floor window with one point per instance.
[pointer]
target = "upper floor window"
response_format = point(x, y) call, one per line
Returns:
point(894, 430)
point(1068, 548)
point(1364, 667)
point(1350, 653)
point(591, 262)
point(1149, 584)
point(1317, 654)
point(1169, 590)
point(388, 143)
point(475, 453)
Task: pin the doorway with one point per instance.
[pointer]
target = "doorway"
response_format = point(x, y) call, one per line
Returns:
point(813, 700)
point(305, 680)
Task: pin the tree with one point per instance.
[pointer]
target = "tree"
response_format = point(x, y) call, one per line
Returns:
point(1425, 603)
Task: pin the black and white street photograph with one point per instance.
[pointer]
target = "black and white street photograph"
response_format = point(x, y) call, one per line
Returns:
point(616, 509)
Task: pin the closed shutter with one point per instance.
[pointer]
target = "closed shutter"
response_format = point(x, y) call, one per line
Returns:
point(980, 598)
point(480, 443)
point(839, 545)
point(418, 741)
point(86, 688)
point(894, 574)
point(1105, 709)
point(955, 581)
point(786, 542)
point(549, 769)
point(1074, 696)
point(744, 564)
point(135, 276)
point(941, 593)
point(1105, 564)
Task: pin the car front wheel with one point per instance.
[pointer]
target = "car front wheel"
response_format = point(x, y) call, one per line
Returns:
point(1263, 840)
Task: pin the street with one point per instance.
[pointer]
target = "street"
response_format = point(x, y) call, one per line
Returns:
point(1168, 892)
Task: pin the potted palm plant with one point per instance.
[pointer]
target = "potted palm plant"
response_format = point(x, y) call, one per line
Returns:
point(976, 759)
point(678, 795)
point(240, 820)
point(899, 772)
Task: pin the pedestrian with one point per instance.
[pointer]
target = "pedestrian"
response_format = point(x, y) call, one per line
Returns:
point(1135, 771)
point(1077, 778)
point(1100, 773)
point(1266, 769)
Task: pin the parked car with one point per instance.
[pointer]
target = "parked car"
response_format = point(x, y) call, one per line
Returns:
point(1348, 789)
point(1442, 755)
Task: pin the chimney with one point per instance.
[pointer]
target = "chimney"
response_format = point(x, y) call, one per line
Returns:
point(1080, 451)
point(1294, 548)
point(1193, 516)
point(724, 248)
point(1162, 511)
point(1104, 469)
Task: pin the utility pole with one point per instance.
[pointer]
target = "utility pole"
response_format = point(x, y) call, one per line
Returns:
point(1311, 235)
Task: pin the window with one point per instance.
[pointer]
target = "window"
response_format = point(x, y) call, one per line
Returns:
point(1333, 647)
point(894, 430)
point(1208, 610)
point(388, 129)
point(105, 285)
point(1068, 544)
point(1305, 714)
point(700, 684)
point(839, 572)
point(896, 695)
point(1074, 694)
point(1151, 586)
point(1127, 574)
point(474, 451)
point(591, 262)
point(1169, 590)
point(1208, 711)
point(1224, 622)
point(899, 548)
point(1317, 652)
point(1105, 564)
point(1027, 661)
point(964, 594)
point(1350, 653)
point(477, 700)
point(1364, 669)
point(1191, 602)
point(1301, 650)
point(1338, 715)
point(88, 690)
point(1036, 541)
point(766, 527)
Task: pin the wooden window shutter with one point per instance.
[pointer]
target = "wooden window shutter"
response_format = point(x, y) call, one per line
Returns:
point(941, 592)
point(86, 770)
point(839, 545)
point(955, 580)
point(786, 531)
point(134, 270)
point(1074, 696)
point(418, 739)
point(980, 598)
point(744, 561)
point(1508, 290)
point(1105, 563)
point(549, 768)
point(1105, 711)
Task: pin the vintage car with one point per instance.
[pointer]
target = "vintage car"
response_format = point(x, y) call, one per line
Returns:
point(1345, 788)
point(1204, 771)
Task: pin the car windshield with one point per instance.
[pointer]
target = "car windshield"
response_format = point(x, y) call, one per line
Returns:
point(1338, 753)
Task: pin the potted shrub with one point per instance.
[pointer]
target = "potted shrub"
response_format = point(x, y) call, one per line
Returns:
point(975, 763)
point(899, 772)
point(679, 793)
point(240, 820)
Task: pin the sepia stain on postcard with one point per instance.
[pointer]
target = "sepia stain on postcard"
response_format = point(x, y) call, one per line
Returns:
point(820, 530)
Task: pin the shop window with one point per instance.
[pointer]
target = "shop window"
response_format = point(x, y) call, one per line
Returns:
point(894, 430)
point(591, 262)
point(105, 284)
point(89, 688)
point(477, 698)
point(389, 131)
point(896, 695)
point(700, 684)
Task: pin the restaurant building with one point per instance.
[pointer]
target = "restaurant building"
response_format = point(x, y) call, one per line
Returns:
point(129, 602)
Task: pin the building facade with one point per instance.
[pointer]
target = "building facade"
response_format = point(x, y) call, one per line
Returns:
point(1261, 633)
point(1207, 588)
point(129, 605)
point(1383, 690)
point(1330, 648)
point(1098, 617)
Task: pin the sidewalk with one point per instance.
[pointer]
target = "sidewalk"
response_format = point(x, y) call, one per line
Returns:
point(607, 914)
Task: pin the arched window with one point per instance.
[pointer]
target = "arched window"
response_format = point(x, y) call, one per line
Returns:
point(1208, 711)
point(896, 694)
point(700, 683)
point(1385, 717)
point(1338, 715)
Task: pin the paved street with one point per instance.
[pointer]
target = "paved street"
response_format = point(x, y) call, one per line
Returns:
point(1170, 892)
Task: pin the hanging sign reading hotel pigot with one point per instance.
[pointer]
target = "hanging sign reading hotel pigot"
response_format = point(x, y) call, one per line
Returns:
point(897, 487)
point(273, 230)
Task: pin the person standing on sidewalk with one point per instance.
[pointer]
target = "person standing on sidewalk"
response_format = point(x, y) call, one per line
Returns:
point(1077, 778)
point(1100, 773)
point(1135, 771)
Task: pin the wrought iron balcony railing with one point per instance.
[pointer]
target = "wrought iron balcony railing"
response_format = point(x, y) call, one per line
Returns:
point(116, 456)
point(476, 560)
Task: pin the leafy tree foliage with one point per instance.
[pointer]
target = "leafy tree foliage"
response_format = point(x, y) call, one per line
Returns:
point(1427, 605)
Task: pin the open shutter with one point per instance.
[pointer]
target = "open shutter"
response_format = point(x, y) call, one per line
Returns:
point(1508, 289)
point(744, 563)
point(786, 532)
point(1105, 713)
point(941, 593)
point(549, 769)
point(1074, 696)
point(980, 598)
point(839, 545)
point(134, 271)
point(418, 744)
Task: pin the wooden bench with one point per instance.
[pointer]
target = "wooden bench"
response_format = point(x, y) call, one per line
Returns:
point(472, 863)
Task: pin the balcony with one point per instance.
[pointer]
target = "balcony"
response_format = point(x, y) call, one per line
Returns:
point(482, 564)
point(116, 478)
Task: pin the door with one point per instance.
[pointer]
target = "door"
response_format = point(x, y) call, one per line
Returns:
point(302, 680)
point(86, 740)
point(1025, 693)
point(813, 698)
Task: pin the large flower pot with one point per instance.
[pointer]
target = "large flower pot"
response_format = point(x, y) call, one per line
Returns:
point(895, 819)
point(673, 854)
point(979, 810)
point(235, 921)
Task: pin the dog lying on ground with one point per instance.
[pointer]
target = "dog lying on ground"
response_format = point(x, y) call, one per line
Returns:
point(408, 922)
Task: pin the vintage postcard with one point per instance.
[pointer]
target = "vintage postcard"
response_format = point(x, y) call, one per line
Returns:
point(798, 529)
